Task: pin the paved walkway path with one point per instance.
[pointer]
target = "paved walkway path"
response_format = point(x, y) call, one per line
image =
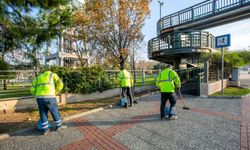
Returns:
point(244, 79)
point(211, 124)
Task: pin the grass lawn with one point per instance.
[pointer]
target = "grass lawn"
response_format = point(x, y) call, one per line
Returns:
point(11, 93)
point(233, 91)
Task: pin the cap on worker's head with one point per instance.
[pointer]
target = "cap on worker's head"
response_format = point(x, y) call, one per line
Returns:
point(43, 68)
point(166, 66)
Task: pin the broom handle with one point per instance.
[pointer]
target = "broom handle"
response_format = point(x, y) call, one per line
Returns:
point(179, 90)
point(120, 92)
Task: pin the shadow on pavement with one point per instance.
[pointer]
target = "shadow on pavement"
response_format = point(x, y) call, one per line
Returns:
point(140, 118)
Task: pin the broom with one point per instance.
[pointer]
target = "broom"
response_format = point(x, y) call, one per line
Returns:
point(184, 107)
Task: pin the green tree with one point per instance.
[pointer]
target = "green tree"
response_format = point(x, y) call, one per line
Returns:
point(245, 55)
point(231, 60)
point(29, 24)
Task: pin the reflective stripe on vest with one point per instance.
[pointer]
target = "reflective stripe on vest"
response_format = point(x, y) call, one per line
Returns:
point(45, 83)
point(124, 77)
point(168, 80)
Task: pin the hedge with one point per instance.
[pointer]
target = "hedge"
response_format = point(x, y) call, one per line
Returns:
point(83, 80)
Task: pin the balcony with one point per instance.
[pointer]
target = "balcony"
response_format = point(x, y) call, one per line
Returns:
point(180, 44)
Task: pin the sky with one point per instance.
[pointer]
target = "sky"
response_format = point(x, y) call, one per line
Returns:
point(240, 31)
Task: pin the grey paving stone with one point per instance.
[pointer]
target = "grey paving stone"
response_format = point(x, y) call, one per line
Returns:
point(232, 106)
point(33, 140)
point(110, 117)
point(135, 143)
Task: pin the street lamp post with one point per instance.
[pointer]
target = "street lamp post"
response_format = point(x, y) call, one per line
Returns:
point(161, 4)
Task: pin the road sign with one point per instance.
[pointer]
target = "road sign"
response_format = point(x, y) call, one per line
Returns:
point(223, 41)
point(220, 42)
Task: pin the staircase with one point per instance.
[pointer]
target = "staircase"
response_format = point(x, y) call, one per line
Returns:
point(190, 80)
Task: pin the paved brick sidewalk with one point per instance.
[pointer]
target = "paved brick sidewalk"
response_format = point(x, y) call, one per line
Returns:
point(211, 124)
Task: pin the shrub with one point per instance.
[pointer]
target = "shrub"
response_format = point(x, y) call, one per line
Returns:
point(83, 80)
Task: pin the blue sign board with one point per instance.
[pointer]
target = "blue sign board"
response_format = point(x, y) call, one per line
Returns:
point(223, 41)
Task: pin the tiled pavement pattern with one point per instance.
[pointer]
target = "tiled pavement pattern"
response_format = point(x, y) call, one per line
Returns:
point(245, 125)
point(211, 124)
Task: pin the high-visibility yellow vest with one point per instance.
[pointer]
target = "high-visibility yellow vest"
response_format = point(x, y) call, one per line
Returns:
point(168, 80)
point(125, 78)
point(47, 84)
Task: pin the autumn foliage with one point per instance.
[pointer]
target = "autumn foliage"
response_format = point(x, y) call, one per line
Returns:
point(112, 26)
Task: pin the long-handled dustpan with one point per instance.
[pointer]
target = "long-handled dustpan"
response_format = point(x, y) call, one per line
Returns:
point(182, 99)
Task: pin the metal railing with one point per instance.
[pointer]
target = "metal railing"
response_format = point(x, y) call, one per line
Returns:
point(15, 83)
point(16, 78)
point(180, 40)
point(18, 82)
point(140, 77)
point(198, 11)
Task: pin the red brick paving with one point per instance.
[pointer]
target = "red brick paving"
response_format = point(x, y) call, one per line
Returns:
point(94, 137)
point(102, 139)
point(245, 125)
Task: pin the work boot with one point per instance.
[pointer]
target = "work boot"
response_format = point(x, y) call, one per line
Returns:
point(135, 102)
point(173, 117)
point(61, 128)
point(163, 118)
point(126, 105)
point(45, 132)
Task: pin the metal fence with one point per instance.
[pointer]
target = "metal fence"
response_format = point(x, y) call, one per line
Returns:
point(140, 77)
point(15, 83)
point(18, 82)
point(16, 79)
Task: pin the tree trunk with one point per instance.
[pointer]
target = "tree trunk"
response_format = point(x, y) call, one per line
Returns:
point(122, 64)
point(4, 81)
point(35, 62)
point(4, 84)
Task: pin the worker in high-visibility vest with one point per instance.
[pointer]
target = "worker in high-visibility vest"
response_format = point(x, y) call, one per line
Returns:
point(126, 81)
point(45, 87)
point(167, 81)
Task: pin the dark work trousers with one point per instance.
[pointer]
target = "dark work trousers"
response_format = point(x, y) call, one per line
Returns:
point(127, 91)
point(164, 97)
point(45, 105)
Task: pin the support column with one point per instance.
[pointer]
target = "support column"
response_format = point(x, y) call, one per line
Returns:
point(61, 61)
point(61, 44)
point(177, 63)
point(206, 72)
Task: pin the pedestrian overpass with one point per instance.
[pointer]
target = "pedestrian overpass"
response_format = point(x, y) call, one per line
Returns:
point(181, 40)
point(180, 35)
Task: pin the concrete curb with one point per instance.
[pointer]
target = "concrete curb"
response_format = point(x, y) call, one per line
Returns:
point(229, 97)
point(82, 114)
point(7, 135)
point(68, 118)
